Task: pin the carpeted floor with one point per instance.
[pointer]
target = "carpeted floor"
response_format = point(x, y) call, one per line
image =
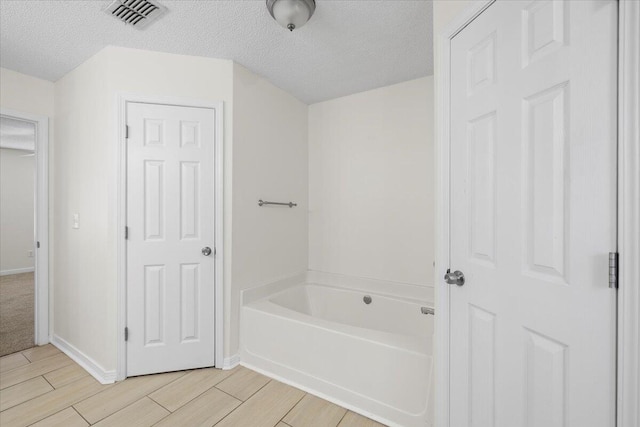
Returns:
point(16, 312)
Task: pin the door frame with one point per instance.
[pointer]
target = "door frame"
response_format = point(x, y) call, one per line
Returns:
point(628, 328)
point(41, 222)
point(123, 98)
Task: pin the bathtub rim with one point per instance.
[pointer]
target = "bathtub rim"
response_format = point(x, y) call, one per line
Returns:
point(386, 288)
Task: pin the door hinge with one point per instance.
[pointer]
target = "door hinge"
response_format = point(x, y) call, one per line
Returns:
point(126, 334)
point(126, 131)
point(38, 245)
point(613, 270)
point(126, 233)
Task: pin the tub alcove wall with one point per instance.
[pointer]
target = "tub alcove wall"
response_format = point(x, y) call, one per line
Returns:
point(371, 224)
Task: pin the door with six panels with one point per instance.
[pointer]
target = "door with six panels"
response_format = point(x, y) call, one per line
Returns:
point(533, 215)
point(170, 221)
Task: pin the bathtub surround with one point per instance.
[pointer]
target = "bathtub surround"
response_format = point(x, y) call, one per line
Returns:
point(370, 161)
point(319, 334)
point(371, 191)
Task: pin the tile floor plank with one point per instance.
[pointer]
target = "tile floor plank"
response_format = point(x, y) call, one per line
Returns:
point(67, 418)
point(34, 369)
point(354, 420)
point(205, 410)
point(181, 391)
point(12, 361)
point(63, 376)
point(143, 413)
point(121, 395)
point(16, 394)
point(243, 383)
point(312, 411)
point(265, 408)
point(50, 403)
point(52, 390)
point(41, 352)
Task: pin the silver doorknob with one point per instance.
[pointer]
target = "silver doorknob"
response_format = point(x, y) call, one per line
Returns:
point(455, 278)
point(206, 251)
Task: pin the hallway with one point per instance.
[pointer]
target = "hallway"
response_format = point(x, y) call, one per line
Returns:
point(16, 312)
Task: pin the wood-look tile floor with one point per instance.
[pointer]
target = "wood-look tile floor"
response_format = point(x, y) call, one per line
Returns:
point(43, 387)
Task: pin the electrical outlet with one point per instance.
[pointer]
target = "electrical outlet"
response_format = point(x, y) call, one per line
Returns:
point(30, 254)
point(76, 220)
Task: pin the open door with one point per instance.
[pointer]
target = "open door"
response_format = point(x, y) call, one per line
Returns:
point(533, 215)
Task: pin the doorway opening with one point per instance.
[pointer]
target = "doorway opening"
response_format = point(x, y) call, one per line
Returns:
point(24, 294)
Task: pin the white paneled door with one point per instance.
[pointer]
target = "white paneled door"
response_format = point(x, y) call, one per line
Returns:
point(533, 215)
point(170, 220)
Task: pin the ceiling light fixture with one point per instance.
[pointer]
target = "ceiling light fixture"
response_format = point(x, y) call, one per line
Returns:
point(291, 14)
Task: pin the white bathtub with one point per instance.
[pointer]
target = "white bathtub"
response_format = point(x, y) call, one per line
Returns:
point(374, 358)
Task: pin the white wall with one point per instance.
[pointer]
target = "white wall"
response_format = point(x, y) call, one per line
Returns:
point(17, 174)
point(83, 271)
point(162, 74)
point(270, 163)
point(371, 195)
point(26, 94)
point(265, 156)
point(86, 180)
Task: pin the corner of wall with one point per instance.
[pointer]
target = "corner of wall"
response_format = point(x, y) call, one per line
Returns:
point(270, 162)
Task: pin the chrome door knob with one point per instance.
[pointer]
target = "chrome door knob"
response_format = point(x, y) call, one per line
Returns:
point(455, 278)
point(206, 251)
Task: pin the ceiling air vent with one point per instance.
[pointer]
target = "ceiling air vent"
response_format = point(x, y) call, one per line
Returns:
point(138, 13)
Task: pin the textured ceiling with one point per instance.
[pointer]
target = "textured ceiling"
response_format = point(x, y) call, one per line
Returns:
point(346, 47)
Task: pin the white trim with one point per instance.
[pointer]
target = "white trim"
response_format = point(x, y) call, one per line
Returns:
point(41, 223)
point(231, 362)
point(628, 212)
point(628, 410)
point(121, 214)
point(17, 271)
point(88, 364)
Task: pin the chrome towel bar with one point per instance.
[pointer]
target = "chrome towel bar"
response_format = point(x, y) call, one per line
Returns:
point(290, 204)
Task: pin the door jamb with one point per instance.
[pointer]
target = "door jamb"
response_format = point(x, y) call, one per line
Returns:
point(628, 375)
point(123, 99)
point(41, 222)
point(628, 392)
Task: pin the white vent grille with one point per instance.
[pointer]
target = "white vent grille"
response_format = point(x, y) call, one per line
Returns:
point(138, 13)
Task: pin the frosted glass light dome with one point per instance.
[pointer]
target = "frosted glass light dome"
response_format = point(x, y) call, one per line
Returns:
point(291, 14)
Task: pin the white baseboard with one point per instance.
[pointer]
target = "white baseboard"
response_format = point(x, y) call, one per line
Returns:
point(17, 271)
point(231, 362)
point(89, 365)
